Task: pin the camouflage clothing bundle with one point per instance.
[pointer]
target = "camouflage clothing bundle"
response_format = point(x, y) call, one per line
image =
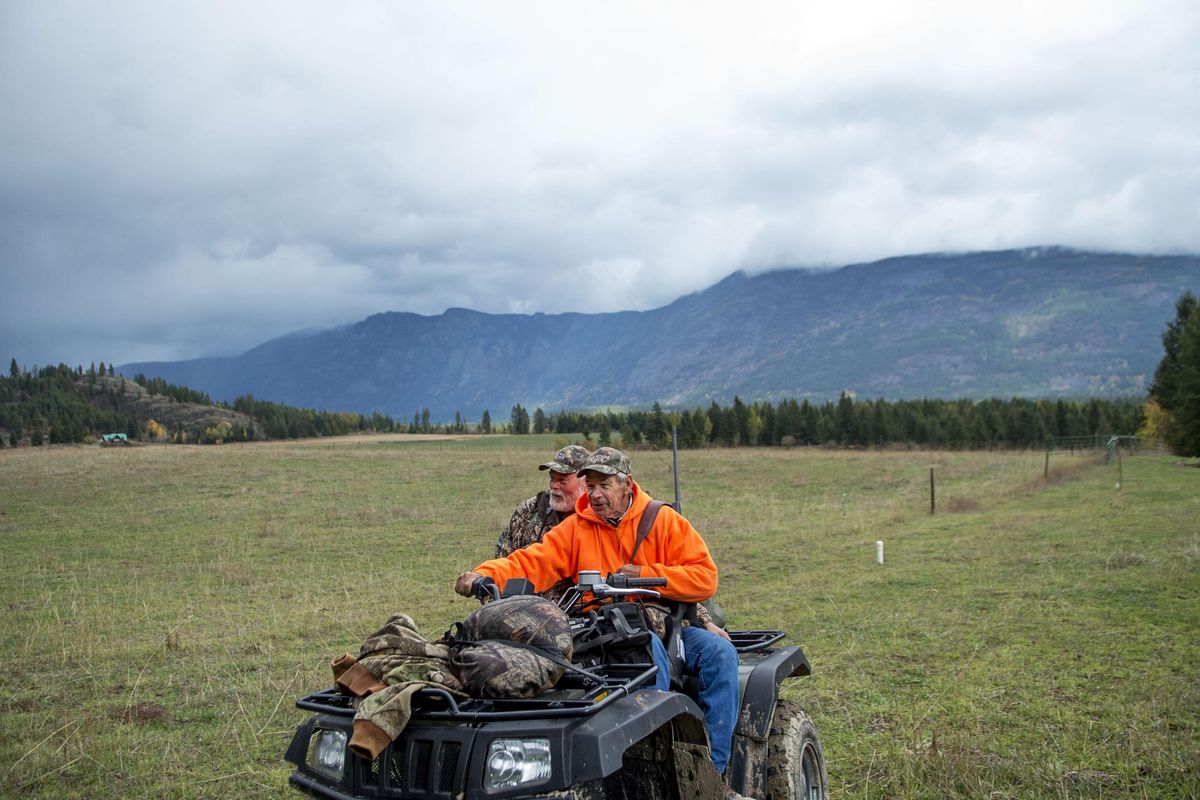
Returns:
point(397, 653)
point(488, 665)
point(396, 662)
point(393, 664)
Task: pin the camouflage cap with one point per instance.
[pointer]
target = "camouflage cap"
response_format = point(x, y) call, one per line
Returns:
point(607, 460)
point(570, 459)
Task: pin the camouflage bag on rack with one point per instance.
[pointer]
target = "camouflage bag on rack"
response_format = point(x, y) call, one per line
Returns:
point(514, 647)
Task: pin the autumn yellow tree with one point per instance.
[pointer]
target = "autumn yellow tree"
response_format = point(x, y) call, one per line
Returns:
point(1154, 424)
point(217, 433)
point(155, 430)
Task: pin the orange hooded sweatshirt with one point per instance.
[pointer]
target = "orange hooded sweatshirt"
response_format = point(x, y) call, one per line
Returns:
point(673, 550)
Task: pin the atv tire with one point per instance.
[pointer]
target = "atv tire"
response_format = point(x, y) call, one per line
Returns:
point(795, 761)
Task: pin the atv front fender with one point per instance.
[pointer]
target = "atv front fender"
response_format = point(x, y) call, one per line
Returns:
point(597, 745)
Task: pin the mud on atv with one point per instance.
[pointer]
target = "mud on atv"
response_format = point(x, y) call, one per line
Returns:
point(599, 734)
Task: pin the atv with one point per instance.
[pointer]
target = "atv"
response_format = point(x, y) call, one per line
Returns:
point(599, 734)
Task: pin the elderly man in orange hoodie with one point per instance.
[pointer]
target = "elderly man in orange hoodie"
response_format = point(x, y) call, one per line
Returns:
point(601, 536)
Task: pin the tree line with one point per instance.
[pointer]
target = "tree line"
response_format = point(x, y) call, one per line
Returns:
point(62, 405)
point(278, 421)
point(965, 424)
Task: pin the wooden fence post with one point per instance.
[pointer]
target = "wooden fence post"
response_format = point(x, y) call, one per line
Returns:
point(932, 493)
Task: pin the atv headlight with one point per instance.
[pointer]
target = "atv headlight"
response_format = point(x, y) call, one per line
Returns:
point(516, 762)
point(327, 753)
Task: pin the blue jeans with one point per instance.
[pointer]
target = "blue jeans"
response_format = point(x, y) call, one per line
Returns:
point(714, 661)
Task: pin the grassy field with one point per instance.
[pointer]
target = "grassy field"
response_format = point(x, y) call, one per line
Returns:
point(164, 606)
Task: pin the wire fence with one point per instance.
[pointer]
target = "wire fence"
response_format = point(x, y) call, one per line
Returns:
point(1109, 442)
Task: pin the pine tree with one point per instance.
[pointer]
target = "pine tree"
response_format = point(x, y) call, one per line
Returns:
point(1176, 385)
point(741, 422)
point(844, 425)
point(485, 423)
point(13, 370)
point(519, 420)
point(656, 427)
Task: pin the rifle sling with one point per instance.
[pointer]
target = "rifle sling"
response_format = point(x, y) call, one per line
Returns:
point(643, 530)
point(644, 525)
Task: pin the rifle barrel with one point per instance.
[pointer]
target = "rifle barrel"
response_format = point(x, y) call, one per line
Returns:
point(675, 469)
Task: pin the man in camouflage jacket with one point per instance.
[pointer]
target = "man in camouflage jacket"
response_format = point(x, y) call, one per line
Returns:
point(547, 508)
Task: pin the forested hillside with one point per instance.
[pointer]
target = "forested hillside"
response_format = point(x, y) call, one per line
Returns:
point(61, 404)
point(1043, 322)
point(53, 406)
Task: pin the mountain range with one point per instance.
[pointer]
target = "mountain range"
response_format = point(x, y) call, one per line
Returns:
point(1033, 322)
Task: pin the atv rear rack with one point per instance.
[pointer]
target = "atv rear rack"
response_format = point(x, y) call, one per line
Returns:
point(750, 641)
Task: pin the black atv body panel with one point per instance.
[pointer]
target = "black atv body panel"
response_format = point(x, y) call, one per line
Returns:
point(436, 758)
point(442, 753)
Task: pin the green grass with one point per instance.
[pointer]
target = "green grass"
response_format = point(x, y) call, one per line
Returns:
point(164, 606)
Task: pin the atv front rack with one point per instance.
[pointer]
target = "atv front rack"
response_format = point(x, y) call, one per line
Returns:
point(571, 697)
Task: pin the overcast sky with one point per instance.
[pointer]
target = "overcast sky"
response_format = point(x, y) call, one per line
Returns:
point(184, 179)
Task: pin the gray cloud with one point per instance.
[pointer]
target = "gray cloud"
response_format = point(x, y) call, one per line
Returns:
point(189, 179)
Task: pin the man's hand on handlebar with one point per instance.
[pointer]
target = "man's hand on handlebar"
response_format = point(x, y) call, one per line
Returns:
point(631, 571)
point(465, 583)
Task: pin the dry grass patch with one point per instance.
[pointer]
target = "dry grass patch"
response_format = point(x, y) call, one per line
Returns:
point(963, 505)
point(143, 714)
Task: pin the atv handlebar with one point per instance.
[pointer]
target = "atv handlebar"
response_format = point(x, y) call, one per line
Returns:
point(484, 588)
point(621, 581)
point(615, 585)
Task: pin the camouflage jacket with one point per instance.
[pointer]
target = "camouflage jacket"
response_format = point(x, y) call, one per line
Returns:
point(529, 523)
point(531, 520)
